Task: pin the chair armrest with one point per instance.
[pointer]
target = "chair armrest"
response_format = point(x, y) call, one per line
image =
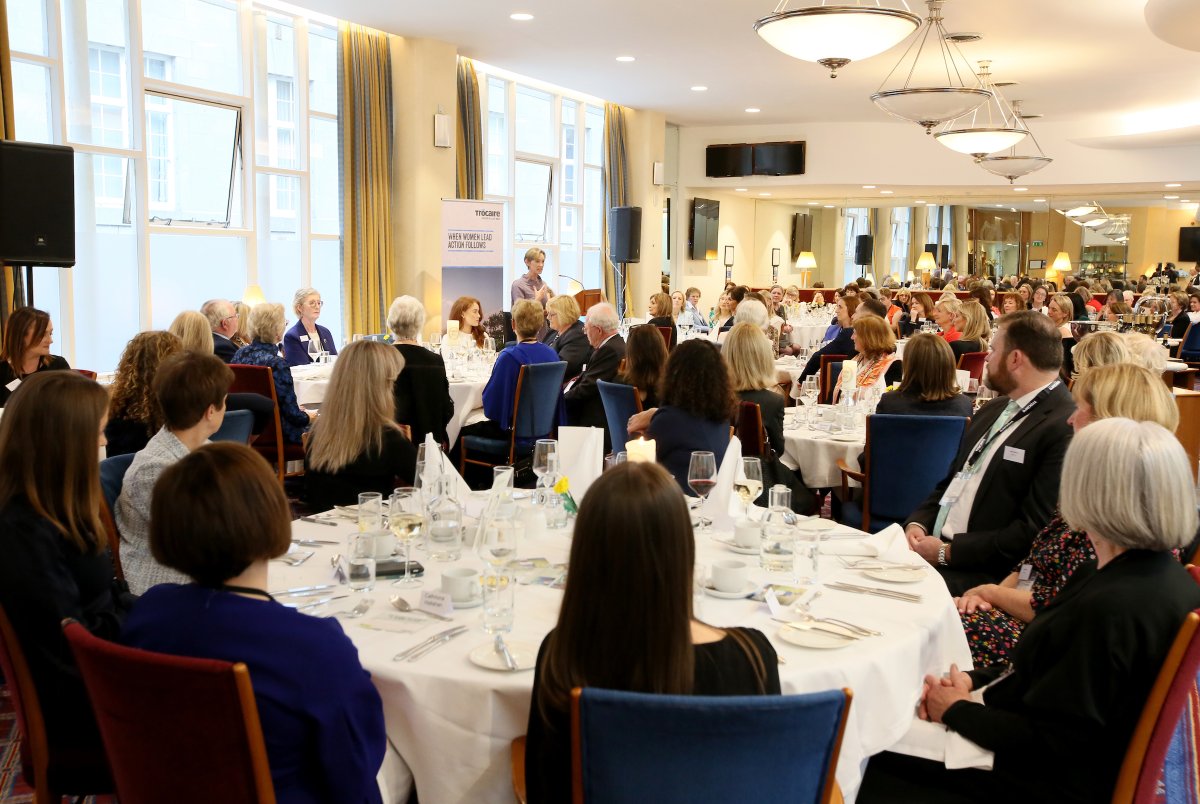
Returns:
point(518, 768)
point(847, 474)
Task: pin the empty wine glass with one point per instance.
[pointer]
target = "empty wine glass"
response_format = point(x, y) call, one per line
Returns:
point(314, 348)
point(796, 392)
point(811, 390)
point(702, 478)
point(542, 450)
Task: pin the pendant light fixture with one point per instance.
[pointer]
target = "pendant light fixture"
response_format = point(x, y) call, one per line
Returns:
point(1012, 165)
point(985, 129)
point(835, 35)
point(938, 86)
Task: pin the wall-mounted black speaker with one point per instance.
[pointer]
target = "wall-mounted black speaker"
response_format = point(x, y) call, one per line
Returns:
point(864, 247)
point(625, 234)
point(37, 204)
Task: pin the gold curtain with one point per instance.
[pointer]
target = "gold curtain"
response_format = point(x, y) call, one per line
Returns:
point(365, 150)
point(8, 131)
point(469, 139)
point(958, 238)
point(616, 184)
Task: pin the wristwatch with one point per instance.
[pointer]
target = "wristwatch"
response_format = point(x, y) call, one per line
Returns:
point(942, 562)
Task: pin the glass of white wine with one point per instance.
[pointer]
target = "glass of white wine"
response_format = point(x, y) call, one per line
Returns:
point(406, 519)
point(748, 483)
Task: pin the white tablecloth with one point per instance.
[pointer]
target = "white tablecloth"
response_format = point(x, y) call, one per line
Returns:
point(815, 452)
point(453, 722)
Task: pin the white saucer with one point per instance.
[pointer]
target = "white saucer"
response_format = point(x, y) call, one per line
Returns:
point(896, 575)
point(846, 437)
point(473, 603)
point(816, 523)
point(485, 656)
point(737, 548)
point(749, 589)
point(812, 638)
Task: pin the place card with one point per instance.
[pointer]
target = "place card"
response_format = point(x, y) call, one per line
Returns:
point(436, 603)
point(772, 602)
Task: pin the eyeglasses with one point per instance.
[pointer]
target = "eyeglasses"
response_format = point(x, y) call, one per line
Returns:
point(315, 303)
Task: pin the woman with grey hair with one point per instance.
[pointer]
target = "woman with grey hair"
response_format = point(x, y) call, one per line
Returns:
point(422, 390)
point(266, 328)
point(298, 341)
point(1060, 715)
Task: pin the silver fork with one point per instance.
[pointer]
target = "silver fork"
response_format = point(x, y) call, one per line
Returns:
point(294, 560)
point(357, 611)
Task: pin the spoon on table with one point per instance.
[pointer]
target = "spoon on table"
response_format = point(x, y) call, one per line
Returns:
point(403, 605)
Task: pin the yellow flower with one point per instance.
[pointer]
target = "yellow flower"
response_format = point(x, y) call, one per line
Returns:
point(561, 486)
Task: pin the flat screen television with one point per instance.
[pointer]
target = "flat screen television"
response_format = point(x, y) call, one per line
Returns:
point(724, 161)
point(779, 158)
point(702, 233)
point(1189, 244)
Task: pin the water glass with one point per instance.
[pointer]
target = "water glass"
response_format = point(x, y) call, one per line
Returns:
point(499, 596)
point(807, 553)
point(500, 539)
point(361, 563)
point(615, 459)
point(445, 537)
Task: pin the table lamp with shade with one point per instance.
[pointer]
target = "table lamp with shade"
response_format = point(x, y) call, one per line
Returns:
point(806, 263)
point(1060, 266)
point(253, 295)
point(925, 266)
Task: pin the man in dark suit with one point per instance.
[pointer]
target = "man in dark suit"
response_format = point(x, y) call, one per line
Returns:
point(224, 322)
point(584, 408)
point(1002, 487)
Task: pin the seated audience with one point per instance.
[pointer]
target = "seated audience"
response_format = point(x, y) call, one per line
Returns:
point(974, 328)
point(696, 406)
point(134, 414)
point(584, 408)
point(266, 328)
point(1178, 315)
point(25, 349)
point(422, 392)
point(54, 562)
point(217, 517)
point(875, 347)
point(945, 313)
point(1114, 309)
point(1146, 352)
point(190, 389)
point(306, 339)
point(660, 316)
point(842, 343)
point(565, 334)
point(1025, 292)
point(193, 331)
point(1099, 349)
point(356, 445)
point(632, 517)
point(1059, 716)
point(222, 319)
point(242, 336)
point(645, 363)
point(1193, 307)
point(920, 310)
point(752, 372)
point(929, 386)
point(691, 311)
point(722, 316)
point(1012, 302)
point(1040, 298)
point(468, 312)
point(677, 305)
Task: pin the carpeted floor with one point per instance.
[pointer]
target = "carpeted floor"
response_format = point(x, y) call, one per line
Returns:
point(12, 787)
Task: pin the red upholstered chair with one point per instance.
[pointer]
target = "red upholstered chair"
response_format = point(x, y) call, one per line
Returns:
point(178, 729)
point(50, 775)
point(973, 362)
point(666, 332)
point(269, 443)
point(91, 375)
point(750, 430)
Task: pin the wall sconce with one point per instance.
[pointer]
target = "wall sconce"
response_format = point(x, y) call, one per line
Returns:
point(728, 263)
point(774, 266)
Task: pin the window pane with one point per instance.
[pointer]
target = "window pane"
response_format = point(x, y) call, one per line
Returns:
point(185, 270)
point(591, 270)
point(31, 102)
point(201, 36)
point(279, 260)
point(535, 122)
point(568, 230)
point(594, 120)
point(105, 276)
point(327, 278)
point(593, 214)
point(27, 27)
point(323, 176)
point(278, 113)
point(98, 111)
point(322, 70)
point(532, 219)
point(496, 181)
point(570, 151)
point(195, 160)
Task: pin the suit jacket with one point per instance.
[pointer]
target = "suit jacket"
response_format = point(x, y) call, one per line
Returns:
point(295, 351)
point(422, 393)
point(961, 347)
point(224, 348)
point(572, 347)
point(1014, 500)
point(843, 344)
point(584, 408)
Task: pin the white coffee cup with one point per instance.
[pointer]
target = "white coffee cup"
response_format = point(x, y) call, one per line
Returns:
point(385, 544)
point(747, 533)
point(461, 583)
point(730, 576)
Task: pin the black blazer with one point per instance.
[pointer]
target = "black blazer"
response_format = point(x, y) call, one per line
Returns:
point(1014, 500)
point(572, 347)
point(843, 344)
point(770, 405)
point(906, 404)
point(1180, 324)
point(422, 393)
point(584, 408)
point(223, 348)
point(961, 347)
point(665, 321)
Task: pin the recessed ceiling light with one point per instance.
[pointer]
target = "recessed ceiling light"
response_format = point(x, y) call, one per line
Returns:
point(920, 202)
point(1173, 184)
point(699, 88)
point(1020, 189)
point(886, 192)
point(829, 206)
point(1170, 197)
point(625, 58)
point(999, 205)
point(814, 203)
point(764, 193)
point(740, 190)
point(753, 110)
point(520, 16)
point(868, 186)
point(1039, 200)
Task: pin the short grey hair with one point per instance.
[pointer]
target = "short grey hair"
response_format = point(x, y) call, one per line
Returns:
point(751, 311)
point(1145, 351)
point(301, 295)
point(1129, 483)
point(214, 311)
point(266, 322)
point(406, 317)
point(603, 316)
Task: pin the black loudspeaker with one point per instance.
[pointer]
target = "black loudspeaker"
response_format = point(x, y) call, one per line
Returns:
point(864, 247)
point(932, 248)
point(625, 234)
point(37, 204)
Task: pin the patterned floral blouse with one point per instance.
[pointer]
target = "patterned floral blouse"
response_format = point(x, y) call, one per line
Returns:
point(293, 419)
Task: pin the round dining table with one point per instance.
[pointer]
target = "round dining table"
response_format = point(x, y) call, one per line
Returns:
point(451, 722)
point(814, 451)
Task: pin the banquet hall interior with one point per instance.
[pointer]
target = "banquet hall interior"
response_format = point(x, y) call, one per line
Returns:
point(341, 160)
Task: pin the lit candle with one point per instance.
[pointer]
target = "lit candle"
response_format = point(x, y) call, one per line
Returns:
point(640, 449)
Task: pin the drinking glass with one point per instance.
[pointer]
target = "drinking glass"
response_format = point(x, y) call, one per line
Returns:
point(811, 391)
point(500, 540)
point(361, 563)
point(748, 483)
point(370, 512)
point(615, 459)
point(406, 519)
point(499, 596)
point(542, 452)
point(702, 478)
point(796, 392)
point(314, 349)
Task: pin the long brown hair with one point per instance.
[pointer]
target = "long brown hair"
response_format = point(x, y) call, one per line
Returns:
point(633, 549)
point(26, 327)
point(645, 358)
point(929, 368)
point(133, 396)
point(459, 309)
point(697, 381)
point(49, 436)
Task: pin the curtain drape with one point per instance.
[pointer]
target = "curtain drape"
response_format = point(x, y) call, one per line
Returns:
point(365, 152)
point(918, 232)
point(958, 238)
point(7, 132)
point(616, 188)
point(469, 139)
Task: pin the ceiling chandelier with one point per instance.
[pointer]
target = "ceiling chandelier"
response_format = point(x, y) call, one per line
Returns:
point(1012, 165)
point(835, 35)
point(985, 129)
point(934, 89)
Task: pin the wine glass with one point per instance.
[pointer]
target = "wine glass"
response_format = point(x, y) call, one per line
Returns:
point(500, 540)
point(702, 478)
point(810, 391)
point(542, 451)
point(314, 348)
point(406, 520)
point(796, 392)
point(749, 483)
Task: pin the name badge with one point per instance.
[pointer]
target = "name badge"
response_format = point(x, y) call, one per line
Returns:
point(1015, 455)
point(303, 339)
point(12, 386)
point(1026, 577)
point(954, 490)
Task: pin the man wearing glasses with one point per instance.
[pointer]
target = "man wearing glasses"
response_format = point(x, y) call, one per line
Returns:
point(224, 322)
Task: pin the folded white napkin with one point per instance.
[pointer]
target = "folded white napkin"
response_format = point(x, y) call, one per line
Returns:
point(581, 457)
point(935, 742)
point(430, 473)
point(723, 507)
point(889, 544)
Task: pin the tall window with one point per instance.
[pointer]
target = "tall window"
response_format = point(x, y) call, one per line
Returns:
point(900, 235)
point(858, 222)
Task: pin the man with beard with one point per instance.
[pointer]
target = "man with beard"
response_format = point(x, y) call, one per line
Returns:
point(1002, 487)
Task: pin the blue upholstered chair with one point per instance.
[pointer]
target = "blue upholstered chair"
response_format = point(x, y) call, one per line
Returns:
point(831, 372)
point(536, 404)
point(1189, 346)
point(112, 475)
point(236, 427)
point(894, 485)
point(635, 747)
point(620, 402)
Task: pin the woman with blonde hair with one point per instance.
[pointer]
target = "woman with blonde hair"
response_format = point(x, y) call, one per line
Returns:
point(974, 326)
point(134, 415)
point(945, 313)
point(266, 329)
point(193, 331)
point(1180, 321)
point(722, 314)
point(1099, 349)
point(468, 312)
point(660, 315)
point(565, 334)
point(242, 336)
point(356, 445)
point(1146, 352)
point(747, 352)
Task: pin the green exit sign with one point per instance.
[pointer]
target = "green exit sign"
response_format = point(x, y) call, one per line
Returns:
point(1037, 243)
